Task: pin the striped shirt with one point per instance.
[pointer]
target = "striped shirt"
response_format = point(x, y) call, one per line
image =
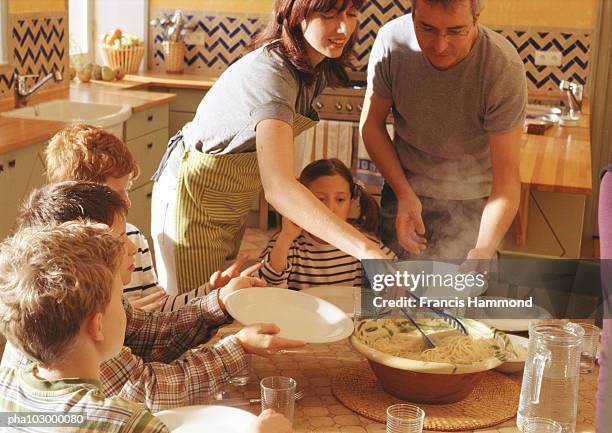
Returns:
point(21, 391)
point(164, 363)
point(311, 262)
point(144, 279)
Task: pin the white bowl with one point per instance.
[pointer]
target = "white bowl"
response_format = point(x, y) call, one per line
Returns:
point(516, 363)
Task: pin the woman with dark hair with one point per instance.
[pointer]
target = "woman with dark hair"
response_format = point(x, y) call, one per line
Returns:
point(297, 259)
point(242, 139)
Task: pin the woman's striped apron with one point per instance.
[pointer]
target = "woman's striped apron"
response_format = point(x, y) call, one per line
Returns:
point(214, 196)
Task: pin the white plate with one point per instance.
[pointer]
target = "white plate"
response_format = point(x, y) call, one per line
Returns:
point(514, 365)
point(509, 324)
point(298, 315)
point(342, 297)
point(196, 419)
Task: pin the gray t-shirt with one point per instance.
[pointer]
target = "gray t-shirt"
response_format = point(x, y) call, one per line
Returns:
point(442, 117)
point(261, 85)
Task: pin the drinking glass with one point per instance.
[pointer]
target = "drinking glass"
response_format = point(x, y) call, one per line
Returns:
point(541, 425)
point(590, 343)
point(405, 418)
point(278, 393)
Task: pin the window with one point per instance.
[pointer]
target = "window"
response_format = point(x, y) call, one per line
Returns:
point(80, 14)
point(3, 32)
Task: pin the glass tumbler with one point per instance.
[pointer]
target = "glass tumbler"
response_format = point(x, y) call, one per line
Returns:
point(278, 393)
point(405, 418)
point(590, 344)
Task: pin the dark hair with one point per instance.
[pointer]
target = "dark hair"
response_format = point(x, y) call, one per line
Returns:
point(285, 32)
point(71, 200)
point(476, 5)
point(369, 213)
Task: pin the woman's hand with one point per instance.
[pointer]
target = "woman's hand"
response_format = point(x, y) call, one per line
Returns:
point(409, 224)
point(261, 339)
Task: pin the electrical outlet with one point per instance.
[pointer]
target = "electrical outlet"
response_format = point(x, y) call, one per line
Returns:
point(195, 38)
point(548, 58)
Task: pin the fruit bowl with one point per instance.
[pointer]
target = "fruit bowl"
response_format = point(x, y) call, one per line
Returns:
point(126, 58)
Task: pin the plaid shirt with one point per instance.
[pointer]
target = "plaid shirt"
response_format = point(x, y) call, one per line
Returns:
point(159, 365)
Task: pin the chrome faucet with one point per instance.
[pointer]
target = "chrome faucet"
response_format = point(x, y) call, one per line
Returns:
point(573, 93)
point(23, 93)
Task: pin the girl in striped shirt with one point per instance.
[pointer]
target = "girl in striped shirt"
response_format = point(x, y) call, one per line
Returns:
point(298, 259)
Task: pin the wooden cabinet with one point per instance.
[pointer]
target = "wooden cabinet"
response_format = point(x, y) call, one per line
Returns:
point(146, 134)
point(21, 171)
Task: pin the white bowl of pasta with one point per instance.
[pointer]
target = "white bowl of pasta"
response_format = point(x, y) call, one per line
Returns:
point(408, 370)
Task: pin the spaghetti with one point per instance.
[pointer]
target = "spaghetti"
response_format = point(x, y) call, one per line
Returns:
point(400, 338)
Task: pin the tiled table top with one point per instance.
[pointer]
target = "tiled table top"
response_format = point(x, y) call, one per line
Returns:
point(314, 367)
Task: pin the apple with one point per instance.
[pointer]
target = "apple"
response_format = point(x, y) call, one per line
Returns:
point(119, 73)
point(97, 72)
point(107, 73)
point(84, 75)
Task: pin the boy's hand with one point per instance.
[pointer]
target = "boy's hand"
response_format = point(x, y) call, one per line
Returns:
point(152, 302)
point(219, 279)
point(236, 284)
point(270, 422)
point(260, 339)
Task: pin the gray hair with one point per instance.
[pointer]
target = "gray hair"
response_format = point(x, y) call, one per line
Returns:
point(476, 4)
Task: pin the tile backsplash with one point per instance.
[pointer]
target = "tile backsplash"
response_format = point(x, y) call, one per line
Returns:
point(38, 44)
point(227, 34)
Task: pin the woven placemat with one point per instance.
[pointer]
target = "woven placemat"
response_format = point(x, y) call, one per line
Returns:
point(493, 401)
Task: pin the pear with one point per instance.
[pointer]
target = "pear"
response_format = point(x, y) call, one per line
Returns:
point(84, 75)
point(97, 72)
point(107, 73)
point(73, 73)
point(119, 73)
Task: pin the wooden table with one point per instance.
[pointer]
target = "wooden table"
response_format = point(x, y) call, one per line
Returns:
point(314, 367)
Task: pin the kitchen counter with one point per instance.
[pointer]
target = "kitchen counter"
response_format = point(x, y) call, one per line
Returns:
point(18, 133)
point(316, 365)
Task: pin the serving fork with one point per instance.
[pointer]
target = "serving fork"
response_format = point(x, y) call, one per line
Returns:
point(446, 317)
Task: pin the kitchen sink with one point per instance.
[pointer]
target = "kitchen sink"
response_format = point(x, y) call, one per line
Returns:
point(107, 116)
point(537, 110)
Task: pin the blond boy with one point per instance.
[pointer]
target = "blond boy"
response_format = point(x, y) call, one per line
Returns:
point(88, 153)
point(61, 305)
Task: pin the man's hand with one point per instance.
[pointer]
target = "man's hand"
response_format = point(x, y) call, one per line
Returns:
point(236, 284)
point(152, 302)
point(260, 339)
point(270, 422)
point(409, 225)
point(219, 279)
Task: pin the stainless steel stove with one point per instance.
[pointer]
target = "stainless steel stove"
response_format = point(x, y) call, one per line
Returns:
point(343, 103)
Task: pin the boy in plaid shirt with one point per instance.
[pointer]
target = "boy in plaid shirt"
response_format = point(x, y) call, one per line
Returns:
point(163, 362)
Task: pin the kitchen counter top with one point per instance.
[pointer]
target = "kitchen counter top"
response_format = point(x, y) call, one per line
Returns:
point(18, 133)
point(559, 160)
point(154, 78)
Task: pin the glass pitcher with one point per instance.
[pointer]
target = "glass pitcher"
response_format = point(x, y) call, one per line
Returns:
point(552, 372)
